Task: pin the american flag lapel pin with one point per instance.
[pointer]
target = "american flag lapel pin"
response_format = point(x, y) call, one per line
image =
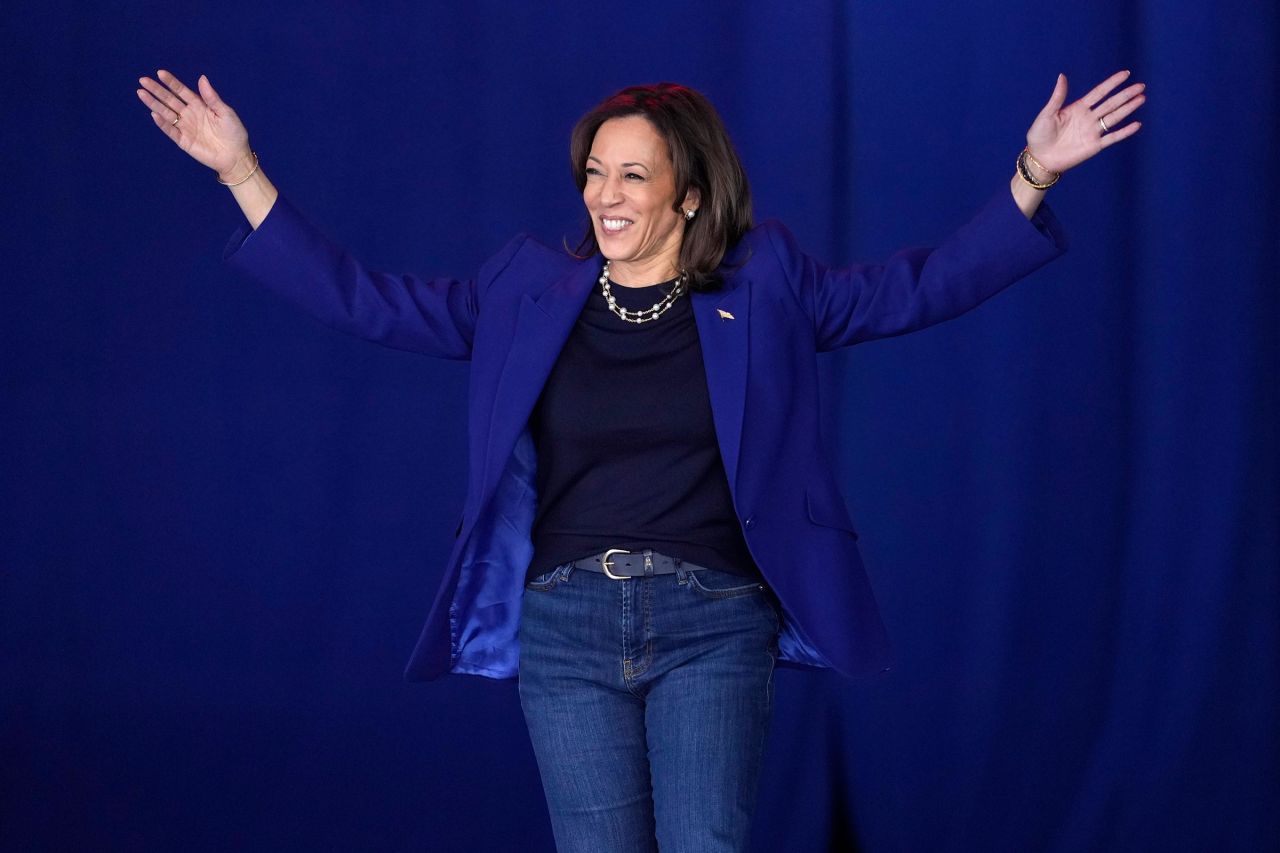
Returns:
point(724, 315)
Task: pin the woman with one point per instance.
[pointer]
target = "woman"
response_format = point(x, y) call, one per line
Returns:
point(650, 526)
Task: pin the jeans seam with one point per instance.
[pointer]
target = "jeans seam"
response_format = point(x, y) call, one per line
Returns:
point(625, 605)
point(637, 664)
point(647, 594)
point(730, 592)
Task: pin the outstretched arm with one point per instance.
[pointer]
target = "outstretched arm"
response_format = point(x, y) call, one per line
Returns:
point(288, 255)
point(204, 126)
point(1064, 137)
point(920, 287)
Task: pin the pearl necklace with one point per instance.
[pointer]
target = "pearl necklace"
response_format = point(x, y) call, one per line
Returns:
point(639, 316)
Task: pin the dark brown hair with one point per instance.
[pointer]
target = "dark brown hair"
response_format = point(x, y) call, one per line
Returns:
point(702, 158)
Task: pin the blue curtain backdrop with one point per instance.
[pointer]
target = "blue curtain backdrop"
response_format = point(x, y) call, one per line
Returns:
point(223, 522)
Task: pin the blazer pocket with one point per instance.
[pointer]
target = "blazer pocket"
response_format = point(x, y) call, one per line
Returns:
point(828, 514)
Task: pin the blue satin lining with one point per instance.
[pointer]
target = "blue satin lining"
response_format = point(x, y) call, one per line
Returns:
point(485, 612)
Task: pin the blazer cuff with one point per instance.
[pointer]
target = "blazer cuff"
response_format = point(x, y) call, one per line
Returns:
point(246, 242)
point(1044, 225)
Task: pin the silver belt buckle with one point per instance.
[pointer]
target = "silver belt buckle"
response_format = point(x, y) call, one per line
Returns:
point(604, 563)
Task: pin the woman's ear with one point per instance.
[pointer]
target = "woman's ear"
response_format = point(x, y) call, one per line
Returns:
point(691, 199)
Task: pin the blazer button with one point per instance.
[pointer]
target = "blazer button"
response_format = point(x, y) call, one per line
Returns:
point(750, 522)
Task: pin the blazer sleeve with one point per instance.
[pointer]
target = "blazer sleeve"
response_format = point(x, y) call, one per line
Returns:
point(920, 287)
point(291, 257)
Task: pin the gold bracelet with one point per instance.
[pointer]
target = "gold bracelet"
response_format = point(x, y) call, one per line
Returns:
point(246, 177)
point(1025, 173)
point(1038, 164)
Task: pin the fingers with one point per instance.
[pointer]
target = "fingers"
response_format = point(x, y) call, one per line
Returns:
point(169, 128)
point(156, 106)
point(1119, 107)
point(1119, 99)
point(177, 86)
point(1122, 133)
point(210, 96)
point(168, 102)
point(1100, 91)
point(1058, 97)
point(1114, 117)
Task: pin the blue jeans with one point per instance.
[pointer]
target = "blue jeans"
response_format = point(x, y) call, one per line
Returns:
point(648, 701)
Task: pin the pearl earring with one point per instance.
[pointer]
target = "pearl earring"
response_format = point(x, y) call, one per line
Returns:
point(688, 214)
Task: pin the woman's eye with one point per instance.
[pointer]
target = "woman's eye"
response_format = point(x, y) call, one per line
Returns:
point(592, 170)
point(632, 176)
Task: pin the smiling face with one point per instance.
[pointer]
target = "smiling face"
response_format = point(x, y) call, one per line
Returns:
point(630, 194)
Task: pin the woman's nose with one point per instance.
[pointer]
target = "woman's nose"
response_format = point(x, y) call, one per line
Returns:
point(611, 192)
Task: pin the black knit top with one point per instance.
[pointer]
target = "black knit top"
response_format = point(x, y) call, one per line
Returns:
point(627, 452)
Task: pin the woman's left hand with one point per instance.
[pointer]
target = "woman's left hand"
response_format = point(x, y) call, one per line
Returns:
point(1063, 137)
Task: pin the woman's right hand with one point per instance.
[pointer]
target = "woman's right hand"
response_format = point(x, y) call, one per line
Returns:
point(201, 123)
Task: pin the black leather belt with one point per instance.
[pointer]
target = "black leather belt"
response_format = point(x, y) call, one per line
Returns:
point(619, 564)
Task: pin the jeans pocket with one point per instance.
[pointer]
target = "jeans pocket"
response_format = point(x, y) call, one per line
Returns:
point(714, 583)
point(549, 579)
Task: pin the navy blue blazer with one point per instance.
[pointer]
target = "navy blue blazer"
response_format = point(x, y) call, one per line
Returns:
point(760, 336)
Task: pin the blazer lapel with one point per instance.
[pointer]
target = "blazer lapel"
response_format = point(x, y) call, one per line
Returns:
point(542, 326)
point(723, 322)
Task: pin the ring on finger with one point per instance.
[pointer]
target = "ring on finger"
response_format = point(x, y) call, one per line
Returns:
point(1105, 129)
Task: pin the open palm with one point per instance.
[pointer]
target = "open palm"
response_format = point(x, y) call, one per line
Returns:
point(1063, 137)
point(199, 122)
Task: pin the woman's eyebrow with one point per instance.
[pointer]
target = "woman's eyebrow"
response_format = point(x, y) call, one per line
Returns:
point(624, 165)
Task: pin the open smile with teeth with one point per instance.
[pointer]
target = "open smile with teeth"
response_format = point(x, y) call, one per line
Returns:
point(614, 226)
